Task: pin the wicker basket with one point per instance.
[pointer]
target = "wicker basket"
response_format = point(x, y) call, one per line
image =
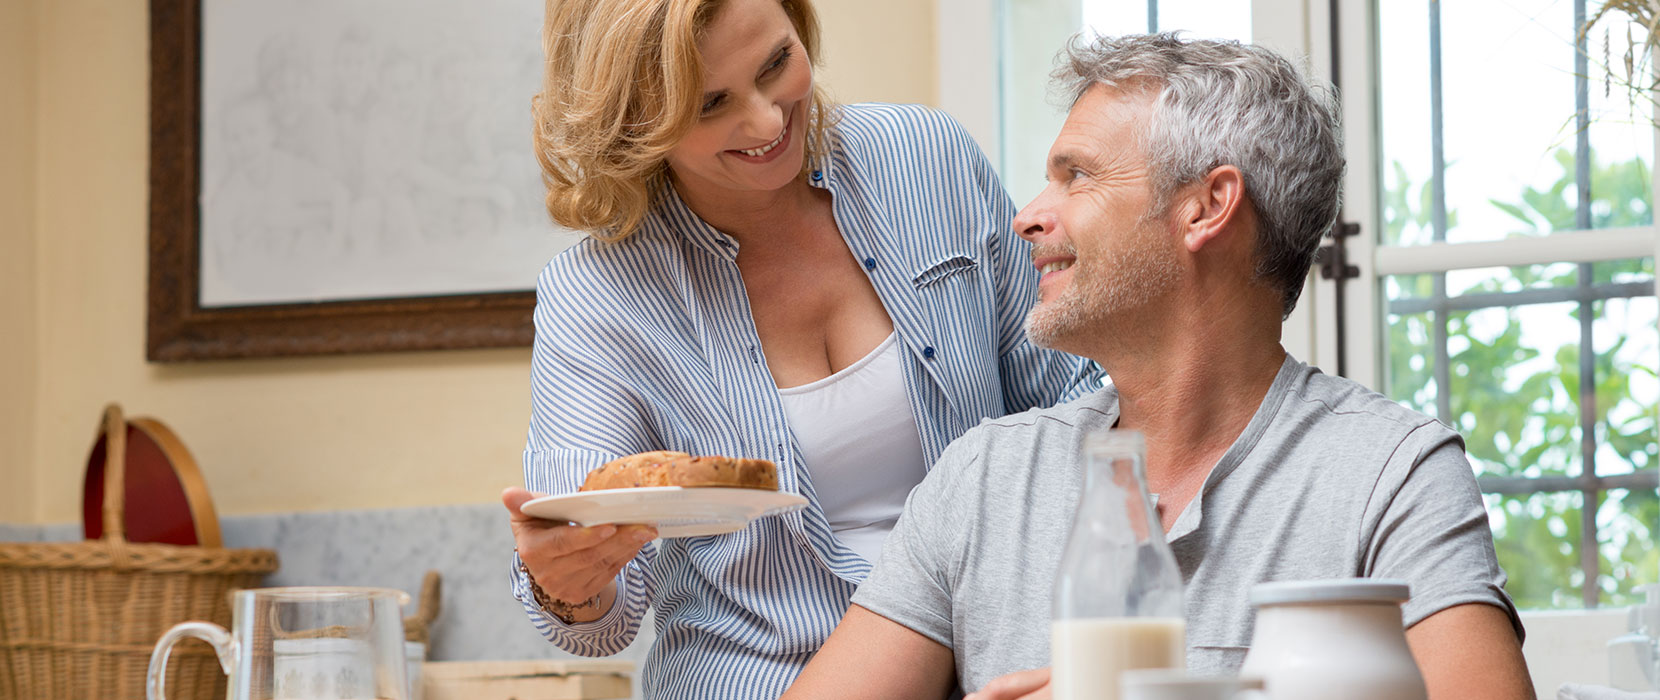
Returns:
point(78, 619)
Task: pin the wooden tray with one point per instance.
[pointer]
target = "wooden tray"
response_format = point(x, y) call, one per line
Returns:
point(526, 680)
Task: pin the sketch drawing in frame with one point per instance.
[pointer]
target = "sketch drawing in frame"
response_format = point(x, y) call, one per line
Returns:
point(359, 176)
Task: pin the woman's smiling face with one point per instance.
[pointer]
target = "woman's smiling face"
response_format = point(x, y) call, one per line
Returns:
point(757, 85)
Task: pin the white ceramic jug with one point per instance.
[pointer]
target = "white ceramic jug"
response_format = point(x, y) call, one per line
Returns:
point(1317, 640)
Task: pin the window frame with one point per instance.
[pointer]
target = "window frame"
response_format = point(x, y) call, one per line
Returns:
point(1304, 28)
point(1366, 307)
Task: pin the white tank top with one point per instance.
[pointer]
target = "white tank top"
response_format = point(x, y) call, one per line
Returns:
point(861, 444)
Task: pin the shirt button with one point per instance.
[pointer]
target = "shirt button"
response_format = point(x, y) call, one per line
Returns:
point(928, 352)
point(870, 263)
point(818, 175)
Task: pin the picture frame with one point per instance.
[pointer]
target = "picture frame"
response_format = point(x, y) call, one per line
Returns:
point(180, 328)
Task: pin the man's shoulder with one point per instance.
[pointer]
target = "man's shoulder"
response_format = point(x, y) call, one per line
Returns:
point(1349, 434)
point(1321, 395)
point(1095, 410)
point(1023, 433)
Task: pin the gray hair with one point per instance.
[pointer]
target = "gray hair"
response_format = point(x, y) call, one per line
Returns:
point(1226, 103)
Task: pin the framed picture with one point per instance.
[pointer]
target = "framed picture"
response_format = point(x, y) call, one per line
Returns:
point(338, 176)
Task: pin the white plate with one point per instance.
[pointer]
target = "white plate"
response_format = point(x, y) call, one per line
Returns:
point(673, 510)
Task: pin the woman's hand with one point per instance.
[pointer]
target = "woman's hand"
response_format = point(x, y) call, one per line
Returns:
point(1021, 685)
point(569, 562)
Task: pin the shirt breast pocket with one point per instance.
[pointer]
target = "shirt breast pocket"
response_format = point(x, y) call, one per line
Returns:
point(959, 267)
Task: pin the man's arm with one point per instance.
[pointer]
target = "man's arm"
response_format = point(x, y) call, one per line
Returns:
point(1432, 531)
point(1470, 651)
point(870, 656)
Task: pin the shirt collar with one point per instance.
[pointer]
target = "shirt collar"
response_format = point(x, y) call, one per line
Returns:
point(679, 218)
point(681, 221)
point(1194, 514)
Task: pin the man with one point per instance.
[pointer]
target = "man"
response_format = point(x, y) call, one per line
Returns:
point(1187, 193)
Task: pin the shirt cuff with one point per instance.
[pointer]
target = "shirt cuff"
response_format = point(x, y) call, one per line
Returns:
point(611, 624)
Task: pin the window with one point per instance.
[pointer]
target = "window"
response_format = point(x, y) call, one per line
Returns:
point(1033, 32)
point(1515, 257)
point(1502, 186)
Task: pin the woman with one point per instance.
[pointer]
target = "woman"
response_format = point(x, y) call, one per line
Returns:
point(836, 289)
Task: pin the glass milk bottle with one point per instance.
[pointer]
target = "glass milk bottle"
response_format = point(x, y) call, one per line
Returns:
point(1118, 593)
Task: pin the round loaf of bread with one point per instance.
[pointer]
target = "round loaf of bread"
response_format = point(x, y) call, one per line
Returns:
point(665, 468)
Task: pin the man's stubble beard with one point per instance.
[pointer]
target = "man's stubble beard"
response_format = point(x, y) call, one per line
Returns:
point(1142, 271)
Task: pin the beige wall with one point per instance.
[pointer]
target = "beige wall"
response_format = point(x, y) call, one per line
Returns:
point(271, 435)
point(17, 259)
point(880, 50)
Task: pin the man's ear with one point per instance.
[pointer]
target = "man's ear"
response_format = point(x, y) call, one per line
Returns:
point(1214, 203)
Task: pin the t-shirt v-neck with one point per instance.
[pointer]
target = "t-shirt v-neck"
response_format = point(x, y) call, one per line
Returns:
point(1193, 513)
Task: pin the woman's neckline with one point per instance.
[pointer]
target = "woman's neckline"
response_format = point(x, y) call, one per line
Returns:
point(844, 372)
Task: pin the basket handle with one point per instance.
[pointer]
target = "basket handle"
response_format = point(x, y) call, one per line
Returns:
point(431, 596)
point(115, 476)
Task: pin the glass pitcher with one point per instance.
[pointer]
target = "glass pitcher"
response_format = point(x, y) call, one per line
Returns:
point(302, 644)
point(1118, 593)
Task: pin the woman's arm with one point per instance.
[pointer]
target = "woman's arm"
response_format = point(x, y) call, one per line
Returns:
point(585, 411)
point(574, 566)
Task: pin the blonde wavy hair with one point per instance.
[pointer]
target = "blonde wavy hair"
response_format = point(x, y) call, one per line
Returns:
point(623, 85)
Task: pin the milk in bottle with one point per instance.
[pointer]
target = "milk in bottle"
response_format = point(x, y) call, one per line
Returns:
point(1118, 593)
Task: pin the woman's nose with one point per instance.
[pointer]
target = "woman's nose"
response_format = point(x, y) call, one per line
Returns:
point(765, 118)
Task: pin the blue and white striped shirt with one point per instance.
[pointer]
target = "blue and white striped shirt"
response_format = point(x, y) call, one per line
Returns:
point(648, 344)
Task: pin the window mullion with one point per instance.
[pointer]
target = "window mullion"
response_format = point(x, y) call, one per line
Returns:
point(1560, 246)
point(1525, 297)
point(1589, 562)
point(1438, 218)
point(1356, 40)
point(1526, 485)
point(1437, 133)
point(1588, 559)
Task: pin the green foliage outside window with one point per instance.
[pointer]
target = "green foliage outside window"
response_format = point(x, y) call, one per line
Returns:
point(1514, 398)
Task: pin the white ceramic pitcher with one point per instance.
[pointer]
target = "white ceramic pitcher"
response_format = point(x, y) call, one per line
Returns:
point(1343, 638)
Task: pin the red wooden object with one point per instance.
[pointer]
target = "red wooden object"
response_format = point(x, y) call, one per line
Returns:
point(166, 499)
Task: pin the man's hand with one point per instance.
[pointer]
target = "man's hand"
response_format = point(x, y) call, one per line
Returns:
point(1020, 685)
point(569, 562)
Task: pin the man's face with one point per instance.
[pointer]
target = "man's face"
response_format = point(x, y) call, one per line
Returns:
point(1101, 250)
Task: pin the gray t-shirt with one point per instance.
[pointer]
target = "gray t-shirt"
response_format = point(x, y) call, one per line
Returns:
point(1329, 480)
